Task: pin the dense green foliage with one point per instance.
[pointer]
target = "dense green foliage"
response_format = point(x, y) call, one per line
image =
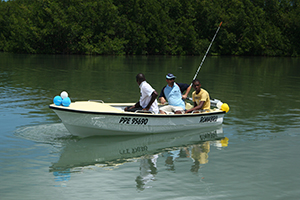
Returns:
point(150, 27)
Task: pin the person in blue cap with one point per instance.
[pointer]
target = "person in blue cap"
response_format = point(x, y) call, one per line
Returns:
point(172, 93)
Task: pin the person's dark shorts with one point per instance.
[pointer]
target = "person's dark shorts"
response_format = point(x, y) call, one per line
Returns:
point(134, 109)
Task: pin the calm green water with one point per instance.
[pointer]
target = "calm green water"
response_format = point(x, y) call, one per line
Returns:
point(254, 155)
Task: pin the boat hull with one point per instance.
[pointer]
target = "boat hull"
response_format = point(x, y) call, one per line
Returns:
point(86, 123)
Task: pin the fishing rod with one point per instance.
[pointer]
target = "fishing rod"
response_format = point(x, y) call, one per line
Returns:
point(215, 102)
point(207, 52)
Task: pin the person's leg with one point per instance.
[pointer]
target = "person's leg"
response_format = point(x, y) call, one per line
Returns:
point(162, 112)
point(129, 109)
point(178, 110)
point(165, 109)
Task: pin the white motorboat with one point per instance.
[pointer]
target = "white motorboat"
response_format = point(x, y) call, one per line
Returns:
point(90, 118)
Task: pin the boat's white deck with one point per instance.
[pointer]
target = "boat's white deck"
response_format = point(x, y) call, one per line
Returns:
point(90, 106)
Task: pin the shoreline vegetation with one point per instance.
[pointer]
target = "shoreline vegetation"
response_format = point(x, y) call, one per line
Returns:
point(150, 27)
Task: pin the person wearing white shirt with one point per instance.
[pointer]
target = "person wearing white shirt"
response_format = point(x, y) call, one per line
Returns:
point(148, 97)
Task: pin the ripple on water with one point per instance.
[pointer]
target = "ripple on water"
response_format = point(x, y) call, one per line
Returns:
point(54, 134)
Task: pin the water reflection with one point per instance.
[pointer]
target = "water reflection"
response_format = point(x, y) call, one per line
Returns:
point(148, 170)
point(198, 152)
point(109, 152)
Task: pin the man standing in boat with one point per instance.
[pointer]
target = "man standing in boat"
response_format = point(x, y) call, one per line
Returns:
point(148, 96)
point(200, 98)
point(172, 92)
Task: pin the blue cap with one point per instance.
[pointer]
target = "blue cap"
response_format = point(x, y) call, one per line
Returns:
point(170, 76)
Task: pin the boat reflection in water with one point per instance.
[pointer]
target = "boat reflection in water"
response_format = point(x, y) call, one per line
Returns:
point(113, 151)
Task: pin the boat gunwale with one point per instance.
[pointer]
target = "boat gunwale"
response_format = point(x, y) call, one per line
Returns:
point(137, 114)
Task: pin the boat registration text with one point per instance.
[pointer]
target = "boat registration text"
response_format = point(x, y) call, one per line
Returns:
point(208, 119)
point(129, 120)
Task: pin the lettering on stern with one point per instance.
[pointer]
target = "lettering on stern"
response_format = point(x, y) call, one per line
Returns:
point(134, 121)
point(208, 119)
